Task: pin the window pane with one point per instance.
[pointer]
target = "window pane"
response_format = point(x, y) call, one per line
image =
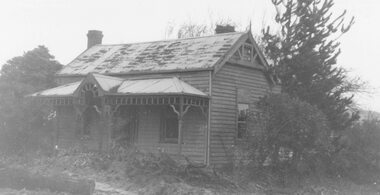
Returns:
point(242, 130)
point(242, 112)
point(171, 128)
point(242, 120)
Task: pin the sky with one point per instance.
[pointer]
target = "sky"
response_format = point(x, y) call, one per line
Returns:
point(61, 25)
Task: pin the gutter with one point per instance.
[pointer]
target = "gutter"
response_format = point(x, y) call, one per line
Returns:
point(137, 72)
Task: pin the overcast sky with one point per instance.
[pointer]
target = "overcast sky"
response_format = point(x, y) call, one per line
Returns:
point(61, 25)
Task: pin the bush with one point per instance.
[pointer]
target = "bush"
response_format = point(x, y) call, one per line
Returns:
point(26, 131)
point(291, 133)
point(293, 139)
point(359, 156)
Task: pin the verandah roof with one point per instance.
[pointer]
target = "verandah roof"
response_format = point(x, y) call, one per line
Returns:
point(60, 91)
point(119, 86)
point(158, 86)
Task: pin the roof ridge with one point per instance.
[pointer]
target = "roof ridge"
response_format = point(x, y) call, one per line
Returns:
point(167, 40)
point(106, 76)
point(179, 88)
point(134, 79)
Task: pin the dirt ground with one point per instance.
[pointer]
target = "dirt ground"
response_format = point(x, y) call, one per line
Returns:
point(154, 175)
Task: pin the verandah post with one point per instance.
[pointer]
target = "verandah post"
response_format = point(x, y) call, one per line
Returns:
point(55, 117)
point(108, 123)
point(107, 117)
point(180, 121)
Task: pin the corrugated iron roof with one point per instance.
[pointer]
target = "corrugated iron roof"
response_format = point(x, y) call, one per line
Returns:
point(179, 54)
point(107, 82)
point(158, 86)
point(119, 86)
point(63, 90)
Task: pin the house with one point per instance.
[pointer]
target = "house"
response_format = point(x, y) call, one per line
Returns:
point(184, 96)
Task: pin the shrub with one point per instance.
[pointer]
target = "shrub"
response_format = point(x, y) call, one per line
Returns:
point(359, 156)
point(292, 133)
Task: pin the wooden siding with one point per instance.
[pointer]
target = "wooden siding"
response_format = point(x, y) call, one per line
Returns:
point(68, 125)
point(227, 83)
point(66, 122)
point(194, 132)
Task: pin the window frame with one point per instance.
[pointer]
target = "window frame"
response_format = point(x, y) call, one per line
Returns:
point(239, 135)
point(166, 115)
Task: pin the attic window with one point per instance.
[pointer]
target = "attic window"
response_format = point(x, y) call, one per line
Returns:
point(247, 52)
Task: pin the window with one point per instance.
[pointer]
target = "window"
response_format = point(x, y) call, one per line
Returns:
point(247, 52)
point(169, 126)
point(242, 120)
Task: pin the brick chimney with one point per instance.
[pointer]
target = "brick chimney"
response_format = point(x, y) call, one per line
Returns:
point(224, 29)
point(94, 37)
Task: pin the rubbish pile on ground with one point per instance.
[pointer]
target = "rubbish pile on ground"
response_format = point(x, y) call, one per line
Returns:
point(129, 171)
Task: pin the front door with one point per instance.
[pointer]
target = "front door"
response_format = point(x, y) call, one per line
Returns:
point(91, 119)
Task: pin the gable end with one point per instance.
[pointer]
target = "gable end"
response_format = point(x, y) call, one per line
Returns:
point(244, 52)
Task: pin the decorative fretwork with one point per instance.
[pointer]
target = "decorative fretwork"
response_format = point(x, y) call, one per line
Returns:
point(55, 100)
point(88, 94)
point(127, 100)
point(155, 100)
point(246, 52)
point(90, 87)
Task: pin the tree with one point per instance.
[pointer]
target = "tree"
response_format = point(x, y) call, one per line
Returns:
point(190, 29)
point(20, 76)
point(193, 30)
point(305, 52)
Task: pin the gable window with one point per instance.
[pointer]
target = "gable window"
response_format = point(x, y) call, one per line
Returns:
point(247, 52)
point(242, 120)
point(169, 126)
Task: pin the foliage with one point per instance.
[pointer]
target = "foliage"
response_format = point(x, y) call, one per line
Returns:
point(292, 131)
point(305, 52)
point(21, 76)
point(191, 29)
point(293, 138)
point(364, 139)
point(359, 159)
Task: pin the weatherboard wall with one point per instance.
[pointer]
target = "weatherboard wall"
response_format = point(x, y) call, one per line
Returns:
point(194, 132)
point(232, 84)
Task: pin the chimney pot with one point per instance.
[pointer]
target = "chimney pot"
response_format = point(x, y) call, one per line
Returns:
point(94, 37)
point(224, 29)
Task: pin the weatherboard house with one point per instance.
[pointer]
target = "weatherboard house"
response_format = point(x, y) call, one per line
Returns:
point(186, 97)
